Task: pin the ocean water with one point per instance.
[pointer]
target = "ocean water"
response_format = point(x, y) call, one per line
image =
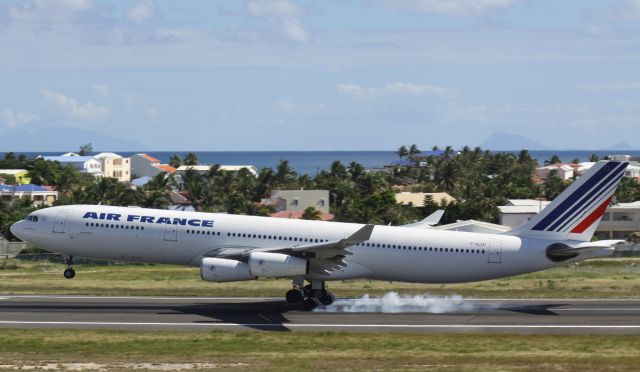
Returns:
point(312, 162)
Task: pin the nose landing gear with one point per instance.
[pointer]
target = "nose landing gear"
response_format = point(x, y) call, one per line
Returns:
point(69, 273)
point(311, 295)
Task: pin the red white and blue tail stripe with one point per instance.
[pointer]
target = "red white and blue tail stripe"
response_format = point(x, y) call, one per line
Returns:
point(575, 213)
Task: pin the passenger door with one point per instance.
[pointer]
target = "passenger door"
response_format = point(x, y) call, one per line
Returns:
point(60, 222)
point(495, 251)
point(171, 233)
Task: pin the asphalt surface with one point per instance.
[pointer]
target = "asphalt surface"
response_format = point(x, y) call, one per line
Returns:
point(562, 316)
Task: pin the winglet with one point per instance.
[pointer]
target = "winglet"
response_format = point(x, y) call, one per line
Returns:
point(363, 234)
point(433, 218)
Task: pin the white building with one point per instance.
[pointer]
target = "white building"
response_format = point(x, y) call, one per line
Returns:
point(84, 164)
point(143, 165)
point(619, 221)
point(518, 211)
point(298, 200)
point(583, 167)
point(564, 171)
point(39, 195)
point(633, 170)
point(115, 166)
point(417, 198)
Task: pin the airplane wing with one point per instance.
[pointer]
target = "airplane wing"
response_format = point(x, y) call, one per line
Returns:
point(323, 257)
point(431, 220)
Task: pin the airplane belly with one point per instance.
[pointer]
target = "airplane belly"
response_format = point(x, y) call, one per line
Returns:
point(451, 267)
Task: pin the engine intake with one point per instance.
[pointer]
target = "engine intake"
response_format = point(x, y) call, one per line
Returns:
point(219, 270)
point(276, 265)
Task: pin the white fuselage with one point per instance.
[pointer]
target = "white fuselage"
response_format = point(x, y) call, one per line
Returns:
point(392, 253)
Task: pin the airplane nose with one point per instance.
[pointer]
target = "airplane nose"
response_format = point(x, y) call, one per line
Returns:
point(16, 229)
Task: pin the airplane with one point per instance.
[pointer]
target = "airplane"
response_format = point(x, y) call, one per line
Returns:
point(236, 247)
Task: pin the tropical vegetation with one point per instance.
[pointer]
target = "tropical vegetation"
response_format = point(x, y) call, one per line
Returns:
point(479, 180)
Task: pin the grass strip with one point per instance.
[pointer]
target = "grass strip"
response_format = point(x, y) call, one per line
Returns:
point(592, 279)
point(319, 350)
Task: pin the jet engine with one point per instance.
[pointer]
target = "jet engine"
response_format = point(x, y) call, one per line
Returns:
point(275, 265)
point(214, 269)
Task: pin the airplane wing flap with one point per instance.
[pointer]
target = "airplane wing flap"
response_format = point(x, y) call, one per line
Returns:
point(327, 249)
point(323, 257)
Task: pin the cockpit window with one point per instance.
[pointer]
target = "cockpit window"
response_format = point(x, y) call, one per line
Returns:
point(32, 218)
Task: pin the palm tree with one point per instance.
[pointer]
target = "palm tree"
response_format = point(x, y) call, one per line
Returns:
point(266, 182)
point(413, 150)
point(162, 182)
point(311, 213)
point(191, 159)
point(447, 175)
point(284, 173)
point(356, 169)
point(337, 170)
point(44, 172)
point(156, 199)
point(175, 161)
point(554, 160)
point(402, 152)
point(85, 149)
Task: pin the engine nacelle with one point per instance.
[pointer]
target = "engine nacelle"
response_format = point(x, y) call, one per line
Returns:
point(223, 270)
point(277, 265)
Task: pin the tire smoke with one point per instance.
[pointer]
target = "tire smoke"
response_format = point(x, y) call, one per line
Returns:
point(393, 302)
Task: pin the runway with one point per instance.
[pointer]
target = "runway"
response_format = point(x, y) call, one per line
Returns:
point(561, 316)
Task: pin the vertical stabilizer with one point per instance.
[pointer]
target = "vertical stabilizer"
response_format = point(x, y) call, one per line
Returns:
point(576, 212)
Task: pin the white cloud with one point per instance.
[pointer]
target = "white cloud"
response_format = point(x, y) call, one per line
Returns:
point(452, 7)
point(49, 11)
point(143, 11)
point(294, 30)
point(101, 89)
point(417, 89)
point(286, 106)
point(13, 119)
point(354, 90)
point(609, 87)
point(283, 13)
point(87, 111)
point(272, 8)
point(394, 89)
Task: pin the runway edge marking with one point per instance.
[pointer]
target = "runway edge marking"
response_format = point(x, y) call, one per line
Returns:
point(313, 325)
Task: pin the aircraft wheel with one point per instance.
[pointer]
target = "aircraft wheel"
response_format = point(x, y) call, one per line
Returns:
point(307, 290)
point(310, 303)
point(69, 273)
point(327, 298)
point(294, 296)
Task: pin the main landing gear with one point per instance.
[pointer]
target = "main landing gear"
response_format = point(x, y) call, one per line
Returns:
point(69, 273)
point(310, 295)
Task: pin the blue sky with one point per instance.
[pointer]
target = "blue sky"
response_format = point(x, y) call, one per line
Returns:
point(322, 75)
